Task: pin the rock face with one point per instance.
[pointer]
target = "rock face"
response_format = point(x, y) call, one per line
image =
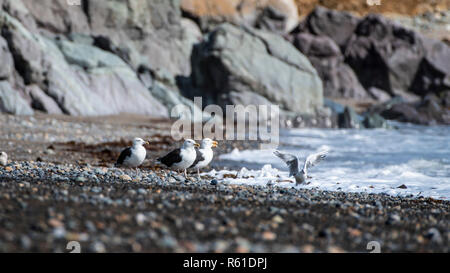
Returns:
point(12, 102)
point(81, 79)
point(149, 56)
point(274, 15)
point(81, 60)
point(374, 59)
point(247, 61)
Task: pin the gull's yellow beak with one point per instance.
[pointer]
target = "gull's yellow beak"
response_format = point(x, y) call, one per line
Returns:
point(147, 142)
point(196, 145)
point(214, 144)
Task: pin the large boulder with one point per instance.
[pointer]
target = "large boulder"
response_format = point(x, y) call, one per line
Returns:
point(384, 55)
point(429, 111)
point(337, 25)
point(272, 15)
point(433, 74)
point(339, 80)
point(81, 79)
point(12, 102)
point(150, 32)
point(233, 59)
point(6, 60)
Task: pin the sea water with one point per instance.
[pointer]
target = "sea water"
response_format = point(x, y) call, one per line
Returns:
point(410, 160)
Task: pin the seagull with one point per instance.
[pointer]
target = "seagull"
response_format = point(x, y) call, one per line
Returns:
point(181, 158)
point(3, 158)
point(292, 162)
point(204, 154)
point(133, 156)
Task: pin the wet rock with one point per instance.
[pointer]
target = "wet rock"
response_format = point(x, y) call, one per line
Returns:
point(373, 120)
point(349, 119)
point(430, 110)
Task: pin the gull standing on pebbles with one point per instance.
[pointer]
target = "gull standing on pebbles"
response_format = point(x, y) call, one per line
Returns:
point(181, 158)
point(204, 154)
point(3, 158)
point(133, 156)
point(292, 162)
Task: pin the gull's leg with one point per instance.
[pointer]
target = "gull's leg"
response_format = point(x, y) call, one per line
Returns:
point(185, 173)
point(198, 173)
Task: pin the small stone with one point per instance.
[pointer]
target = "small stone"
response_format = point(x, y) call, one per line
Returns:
point(142, 191)
point(81, 179)
point(354, 232)
point(278, 219)
point(96, 189)
point(140, 219)
point(434, 235)
point(8, 169)
point(98, 247)
point(269, 236)
point(324, 233)
point(403, 186)
point(199, 226)
point(214, 182)
point(55, 223)
point(393, 218)
point(125, 177)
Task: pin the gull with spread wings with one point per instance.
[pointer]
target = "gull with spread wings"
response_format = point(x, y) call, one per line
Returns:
point(292, 162)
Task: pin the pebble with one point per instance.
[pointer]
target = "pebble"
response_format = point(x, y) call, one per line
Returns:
point(269, 236)
point(157, 210)
point(125, 177)
point(434, 235)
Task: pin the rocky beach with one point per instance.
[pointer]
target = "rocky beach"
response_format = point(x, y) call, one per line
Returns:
point(60, 186)
point(80, 79)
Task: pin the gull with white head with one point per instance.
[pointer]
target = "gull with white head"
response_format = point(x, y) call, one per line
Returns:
point(204, 154)
point(3, 158)
point(292, 162)
point(181, 158)
point(133, 156)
